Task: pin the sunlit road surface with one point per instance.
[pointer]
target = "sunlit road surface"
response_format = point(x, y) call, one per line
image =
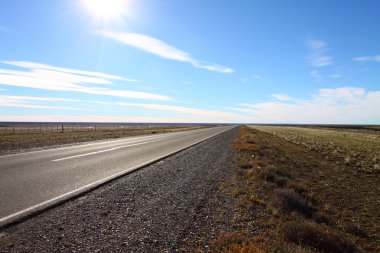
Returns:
point(34, 180)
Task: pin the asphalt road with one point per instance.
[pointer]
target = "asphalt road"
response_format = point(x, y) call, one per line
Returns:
point(35, 180)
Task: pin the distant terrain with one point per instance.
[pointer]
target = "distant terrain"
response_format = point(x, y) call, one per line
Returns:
point(358, 146)
point(16, 137)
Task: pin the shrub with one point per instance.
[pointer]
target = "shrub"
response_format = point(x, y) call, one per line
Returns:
point(288, 200)
point(322, 218)
point(281, 181)
point(297, 188)
point(277, 176)
point(246, 166)
point(319, 237)
point(356, 230)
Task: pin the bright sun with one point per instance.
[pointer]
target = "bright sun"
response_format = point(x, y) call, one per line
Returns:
point(106, 9)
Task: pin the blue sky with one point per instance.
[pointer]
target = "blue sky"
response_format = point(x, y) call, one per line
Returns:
point(291, 61)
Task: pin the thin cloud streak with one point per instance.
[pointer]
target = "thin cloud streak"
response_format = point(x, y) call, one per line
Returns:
point(318, 53)
point(41, 76)
point(204, 115)
point(105, 119)
point(161, 49)
point(284, 97)
point(375, 58)
point(14, 101)
point(50, 99)
point(41, 66)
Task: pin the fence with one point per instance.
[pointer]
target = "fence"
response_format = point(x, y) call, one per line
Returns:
point(61, 128)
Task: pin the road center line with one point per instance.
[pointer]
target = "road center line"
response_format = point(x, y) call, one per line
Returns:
point(102, 151)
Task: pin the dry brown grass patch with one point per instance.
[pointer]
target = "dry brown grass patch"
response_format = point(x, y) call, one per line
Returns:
point(319, 237)
point(288, 200)
point(234, 242)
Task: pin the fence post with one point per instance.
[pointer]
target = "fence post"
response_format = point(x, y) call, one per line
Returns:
point(62, 129)
point(13, 130)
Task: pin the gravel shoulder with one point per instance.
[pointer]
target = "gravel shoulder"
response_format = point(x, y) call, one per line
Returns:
point(174, 205)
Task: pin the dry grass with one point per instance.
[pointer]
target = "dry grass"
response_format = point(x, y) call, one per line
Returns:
point(13, 142)
point(277, 176)
point(359, 148)
point(335, 205)
point(289, 201)
point(234, 242)
point(319, 237)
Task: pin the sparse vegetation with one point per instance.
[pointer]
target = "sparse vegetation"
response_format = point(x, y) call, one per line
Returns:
point(302, 201)
point(20, 141)
point(288, 200)
point(358, 148)
point(234, 242)
point(319, 237)
point(277, 176)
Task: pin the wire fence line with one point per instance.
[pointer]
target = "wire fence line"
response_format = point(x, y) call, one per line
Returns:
point(63, 128)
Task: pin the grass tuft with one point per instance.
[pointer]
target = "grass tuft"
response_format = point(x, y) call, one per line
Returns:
point(319, 237)
point(276, 176)
point(288, 200)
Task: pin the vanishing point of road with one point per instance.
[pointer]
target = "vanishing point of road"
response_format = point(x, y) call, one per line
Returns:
point(33, 181)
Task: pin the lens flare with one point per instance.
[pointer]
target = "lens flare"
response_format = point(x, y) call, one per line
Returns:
point(106, 9)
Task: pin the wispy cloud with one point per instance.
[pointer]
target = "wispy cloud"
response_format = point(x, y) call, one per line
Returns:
point(258, 77)
point(336, 75)
point(65, 72)
point(316, 74)
point(176, 92)
point(318, 53)
point(375, 58)
point(50, 99)
point(25, 102)
point(42, 76)
point(284, 97)
point(201, 114)
point(161, 49)
point(97, 118)
point(346, 105)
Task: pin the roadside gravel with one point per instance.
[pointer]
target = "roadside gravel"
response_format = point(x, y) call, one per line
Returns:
point(169, 206)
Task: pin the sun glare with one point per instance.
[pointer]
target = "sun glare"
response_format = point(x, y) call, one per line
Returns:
point(106, 9)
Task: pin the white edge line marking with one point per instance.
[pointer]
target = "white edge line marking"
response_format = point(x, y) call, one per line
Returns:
point(105, 150)
point(68, 195)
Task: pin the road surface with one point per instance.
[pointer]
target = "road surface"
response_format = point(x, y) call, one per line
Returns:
point(33, 181)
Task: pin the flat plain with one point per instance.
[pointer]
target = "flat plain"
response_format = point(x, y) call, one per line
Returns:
point(359, 147)
point(309, 189)
point(20, 142)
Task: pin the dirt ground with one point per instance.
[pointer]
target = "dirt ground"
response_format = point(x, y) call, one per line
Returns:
point(301, 198)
